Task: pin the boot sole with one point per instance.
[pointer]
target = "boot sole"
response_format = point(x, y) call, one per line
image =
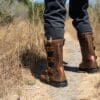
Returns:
point(90, 70)
point(59, 84)
point(56, 84)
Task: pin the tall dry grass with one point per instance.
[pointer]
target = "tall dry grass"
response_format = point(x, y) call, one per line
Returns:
point(21, 39)
point(21, 42)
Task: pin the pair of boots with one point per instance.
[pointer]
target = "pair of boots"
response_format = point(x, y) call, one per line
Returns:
point(54, 75)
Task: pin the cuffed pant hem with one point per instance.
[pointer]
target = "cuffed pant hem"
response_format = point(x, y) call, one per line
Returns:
point(83, 28)
point(54, 32)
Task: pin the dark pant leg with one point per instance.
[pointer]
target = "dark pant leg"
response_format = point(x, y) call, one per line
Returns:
point(78, 12)
point(54, 18)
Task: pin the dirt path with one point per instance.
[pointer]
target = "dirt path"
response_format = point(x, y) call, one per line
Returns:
point(82, 86)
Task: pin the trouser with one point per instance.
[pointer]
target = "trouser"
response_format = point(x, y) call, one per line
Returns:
point(55, 15)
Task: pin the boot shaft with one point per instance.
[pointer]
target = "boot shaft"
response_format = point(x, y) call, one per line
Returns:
point(87, 45)
point(89, 63)
point(54, 51)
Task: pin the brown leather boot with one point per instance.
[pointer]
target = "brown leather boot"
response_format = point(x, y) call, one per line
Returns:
point(89, 63)
point(54, 75)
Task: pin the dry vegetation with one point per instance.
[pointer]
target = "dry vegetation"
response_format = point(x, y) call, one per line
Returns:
point(20, 43)
point(21, 40)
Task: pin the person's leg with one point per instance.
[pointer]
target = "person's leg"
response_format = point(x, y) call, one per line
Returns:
point(54, 18)
point(78, 12)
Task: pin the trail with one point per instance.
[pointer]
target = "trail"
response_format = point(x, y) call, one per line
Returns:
point(81, 86)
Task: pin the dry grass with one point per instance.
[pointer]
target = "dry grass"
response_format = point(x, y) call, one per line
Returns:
point(20, 46)
point(21, 43)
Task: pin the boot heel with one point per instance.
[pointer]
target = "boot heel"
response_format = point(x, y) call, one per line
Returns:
point(59, 84)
